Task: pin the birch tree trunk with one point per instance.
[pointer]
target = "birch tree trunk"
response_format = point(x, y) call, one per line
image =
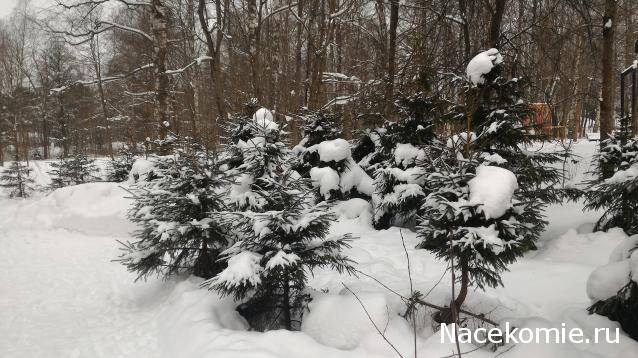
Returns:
point(160, 44)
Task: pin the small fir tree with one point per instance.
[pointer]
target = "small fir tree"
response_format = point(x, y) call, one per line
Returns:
point(60, 176)
point(269, 266)
point(17, 179)
point(316, 127)
point(486, 167)
point(256, 158)
point(399, 189)
point(73, 170)
point(336, 176)
point(474, 216)
point(496, 110)
point(182, 229)
point(367, 149)
point(617, 195)
point(120, 167)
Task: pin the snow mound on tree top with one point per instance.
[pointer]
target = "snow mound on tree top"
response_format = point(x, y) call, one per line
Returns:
point(140, 169)
point(243, 268)
point(607, 280)
point(628, 248)
point(325, 178)
point(356, 177)
point(492, 187)
point(406, 154)
point(92, 208)
point(482, 64)
point(622, 176)
point(264, 119)
point(329, 150)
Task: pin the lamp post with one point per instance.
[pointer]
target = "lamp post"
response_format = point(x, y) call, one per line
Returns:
point(628, 119)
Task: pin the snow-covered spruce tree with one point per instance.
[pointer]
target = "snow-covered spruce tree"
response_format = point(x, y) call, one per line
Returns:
point(316, 127)
point(336, 176)
point(17, 179)
point(618, 194)
point(120, 167)
point(487, 190)
point(613, 288)
point(279, 249)
point(399, 190)
point(72, 170)
point(256, 157)
point(59, 173)
point(496, 110)
point(238, 129)
point(474, 218)
point(182, 229)
point(367, 150)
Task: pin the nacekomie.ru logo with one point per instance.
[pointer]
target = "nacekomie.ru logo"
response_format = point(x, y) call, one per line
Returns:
point(509, 334)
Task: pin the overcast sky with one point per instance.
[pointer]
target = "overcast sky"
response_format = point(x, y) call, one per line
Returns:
point(6, 6)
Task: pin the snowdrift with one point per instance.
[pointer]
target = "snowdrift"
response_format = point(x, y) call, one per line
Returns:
point(92, 208)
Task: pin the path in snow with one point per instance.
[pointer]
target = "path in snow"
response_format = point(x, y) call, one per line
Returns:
point(61, 296)
point(64, 298)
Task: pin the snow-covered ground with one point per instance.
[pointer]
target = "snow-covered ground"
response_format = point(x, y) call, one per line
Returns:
point(62, 296)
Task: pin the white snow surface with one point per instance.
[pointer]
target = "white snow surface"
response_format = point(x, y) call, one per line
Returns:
point(329, 150)
point(492, 187)
point(482, 64)
point(62, 296)
point(406, 154)
point(243, 268)
point(606, 280)
point(140, 169)
point(324, 178)
point(622, 176)
point(263, 118)
point(353, 209)
point(356, 177)
point(327, 179)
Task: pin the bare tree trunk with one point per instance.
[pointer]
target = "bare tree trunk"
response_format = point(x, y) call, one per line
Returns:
point(383, 35)
point(630, 56)
point(213, 46)
point(495, 24)
point(392, 50)
point(253, 39)
point(45, 125)
point(465, 27)
point(160, 45)
point(607, 74)
point(299, 81)
point(95, 54)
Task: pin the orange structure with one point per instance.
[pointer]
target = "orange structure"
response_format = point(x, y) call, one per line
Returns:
point(543, 119)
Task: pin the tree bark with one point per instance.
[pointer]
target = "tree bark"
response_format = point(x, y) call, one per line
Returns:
point(465, 28)
point(95, 54)
point(607, 76)
point(495, 24)
point(216, 75)
point(160, 45)
point(392, 50)
point(253, 38)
